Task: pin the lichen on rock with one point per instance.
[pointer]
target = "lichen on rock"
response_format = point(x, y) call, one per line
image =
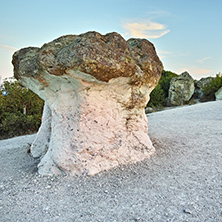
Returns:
point(95, 89)
point(181, 89)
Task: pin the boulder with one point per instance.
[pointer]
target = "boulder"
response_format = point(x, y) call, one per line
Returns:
point(95, 89)
point(181, 89)
point(149, 110)
point(199, 85)
point(218, 94)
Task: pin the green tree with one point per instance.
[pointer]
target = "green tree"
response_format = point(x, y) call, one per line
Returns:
point(165, 81)
point(210, 89)
point(159, 95)
point(20, 109)
point(17, 97)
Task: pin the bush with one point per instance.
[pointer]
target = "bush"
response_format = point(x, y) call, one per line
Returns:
point(213, 86)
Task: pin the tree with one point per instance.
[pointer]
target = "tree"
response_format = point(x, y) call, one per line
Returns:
point(159, 95)
point(20, 109)
point(213, 86)
point(164, 81)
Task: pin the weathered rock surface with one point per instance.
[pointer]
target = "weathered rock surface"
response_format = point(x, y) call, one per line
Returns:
point(41, 144)
point(199, 85)
point(218, 94)
point(181, 89)
point(95, 89)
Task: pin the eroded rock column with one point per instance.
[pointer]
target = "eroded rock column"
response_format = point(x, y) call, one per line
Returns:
point(95, 89)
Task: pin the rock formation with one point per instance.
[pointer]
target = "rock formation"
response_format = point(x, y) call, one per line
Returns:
point(95, 89)
point(218, 94)
point(181, 89)
point(199, 85)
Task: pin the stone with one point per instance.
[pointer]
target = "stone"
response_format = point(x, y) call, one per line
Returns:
point(181, 89)
point(187, 211)
point(149, 110)
point(199, 85)
point(218, 94)
point(95, 89)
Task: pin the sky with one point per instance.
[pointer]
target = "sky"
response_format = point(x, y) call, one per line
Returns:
point(187, 34)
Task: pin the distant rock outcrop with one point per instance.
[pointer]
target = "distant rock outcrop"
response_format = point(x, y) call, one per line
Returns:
point(199, 85)
point(218, 94)
point(95, 89)
point(181, 89)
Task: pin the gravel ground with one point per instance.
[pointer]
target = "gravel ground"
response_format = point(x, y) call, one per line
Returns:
point(181, 182)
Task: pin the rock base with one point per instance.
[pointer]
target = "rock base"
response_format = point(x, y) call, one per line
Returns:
point(95, 129)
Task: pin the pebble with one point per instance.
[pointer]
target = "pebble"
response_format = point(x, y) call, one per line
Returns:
point(187, 211)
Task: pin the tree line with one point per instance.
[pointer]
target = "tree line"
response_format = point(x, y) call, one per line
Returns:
point(158, 97)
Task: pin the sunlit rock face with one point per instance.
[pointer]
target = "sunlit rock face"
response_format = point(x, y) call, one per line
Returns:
point(181, 89)
point(95, 89)
point(199, 86)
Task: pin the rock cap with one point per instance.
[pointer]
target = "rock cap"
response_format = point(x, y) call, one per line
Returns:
point(101, 56)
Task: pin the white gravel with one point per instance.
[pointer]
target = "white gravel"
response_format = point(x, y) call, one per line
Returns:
point(181, 182)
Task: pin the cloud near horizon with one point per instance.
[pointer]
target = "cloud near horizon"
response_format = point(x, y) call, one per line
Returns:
point(163, 54)
point(195, 71)
point(201, 71)
point(8, 48)
point(151, 30)
point(204, 59)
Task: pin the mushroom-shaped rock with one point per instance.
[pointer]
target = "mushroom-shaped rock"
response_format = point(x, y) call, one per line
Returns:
point(95, 89)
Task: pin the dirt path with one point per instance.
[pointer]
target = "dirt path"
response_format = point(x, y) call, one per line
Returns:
point(181, 182)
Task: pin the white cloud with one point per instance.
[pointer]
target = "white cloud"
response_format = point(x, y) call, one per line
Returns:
point(8, 48)
point(204, 59)
point(201, 71)
point(162, 54)
point(183, 54)
point(196, 72)
point(151, 30)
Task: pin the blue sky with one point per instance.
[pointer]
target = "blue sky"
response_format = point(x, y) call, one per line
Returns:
point(187, 34)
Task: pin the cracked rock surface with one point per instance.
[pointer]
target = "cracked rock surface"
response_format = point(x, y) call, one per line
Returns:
point(95, 89)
